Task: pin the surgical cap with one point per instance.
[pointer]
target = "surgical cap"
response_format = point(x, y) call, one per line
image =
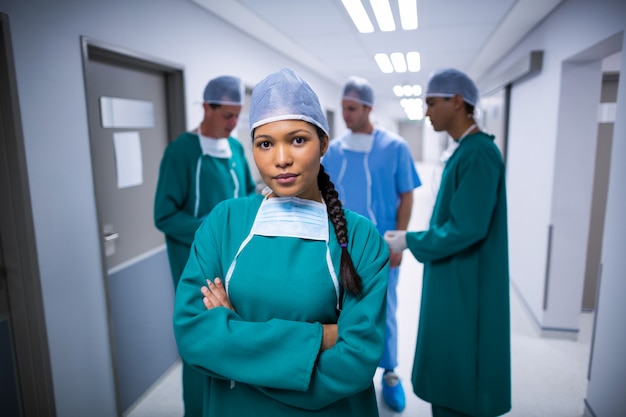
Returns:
point(358, 89)
point(283, 95)
point(450, 82)
point(225, 90)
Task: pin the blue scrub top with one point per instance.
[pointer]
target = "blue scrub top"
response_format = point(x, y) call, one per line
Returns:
point(370, 183)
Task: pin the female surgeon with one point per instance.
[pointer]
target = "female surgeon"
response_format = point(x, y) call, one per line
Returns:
point(282, 302)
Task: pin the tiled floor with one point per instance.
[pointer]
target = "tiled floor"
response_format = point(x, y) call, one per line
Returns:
point(549, 374)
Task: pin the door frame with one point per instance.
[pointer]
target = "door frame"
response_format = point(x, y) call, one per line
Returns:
point(174, 77)
point(19, 248)
point(175, 104)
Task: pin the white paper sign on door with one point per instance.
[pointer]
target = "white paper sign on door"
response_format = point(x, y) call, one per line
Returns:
point(128, 159)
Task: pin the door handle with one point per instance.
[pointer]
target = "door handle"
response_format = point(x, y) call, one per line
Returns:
point(111, 236)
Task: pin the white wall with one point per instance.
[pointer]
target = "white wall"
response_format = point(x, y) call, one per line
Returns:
point(537, 140)
point(605, 392)
point(433, 143)
point(47, 51)
point(574, 168)
point(549, 158)
point(412, 132)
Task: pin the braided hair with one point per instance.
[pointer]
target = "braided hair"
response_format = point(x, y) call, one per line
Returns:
point(351, 281)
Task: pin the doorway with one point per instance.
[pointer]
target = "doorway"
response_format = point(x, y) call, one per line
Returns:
point(25, 374)
point(608, 101)
point(580, 173)
point(243, 136)
point(135, 105)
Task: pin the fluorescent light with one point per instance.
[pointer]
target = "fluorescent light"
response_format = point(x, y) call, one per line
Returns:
point(396, 62)
point(408, 14)
point(358, 15)
point(383, 14)
point(399, 64)
point(384, 17)
point(407, 90)
point(384, 63)
point(413, 107)
point(413, 60)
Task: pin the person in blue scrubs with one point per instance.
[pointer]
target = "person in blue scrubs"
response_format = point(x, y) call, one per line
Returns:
point(462, 360)
point(375, 176)
point(198, 170)
point(281, 305)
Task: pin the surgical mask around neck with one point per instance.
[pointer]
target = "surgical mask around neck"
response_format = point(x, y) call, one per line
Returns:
point(292, 217)
point(358, 142)
point(217, 148)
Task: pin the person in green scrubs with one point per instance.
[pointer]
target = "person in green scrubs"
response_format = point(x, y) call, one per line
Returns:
point(198, 170)
point(282, 302)
point(462, 360)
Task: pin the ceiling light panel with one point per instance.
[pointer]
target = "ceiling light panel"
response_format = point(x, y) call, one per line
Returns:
point(398, 61)
point(407, 90)
point(358, 15)
point(408, 14)
point(413, 61)
point(383, 13)
point(384, 63)
point(413, 107)
point(384, 17)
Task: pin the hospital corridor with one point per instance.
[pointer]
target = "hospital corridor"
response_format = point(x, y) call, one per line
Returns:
point(125, 123)
point(549, 375)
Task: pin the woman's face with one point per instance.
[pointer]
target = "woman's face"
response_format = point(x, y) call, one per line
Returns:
point(287, 154)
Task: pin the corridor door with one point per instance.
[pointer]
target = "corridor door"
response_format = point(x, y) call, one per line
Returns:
point(132, 107)
point(25, 373)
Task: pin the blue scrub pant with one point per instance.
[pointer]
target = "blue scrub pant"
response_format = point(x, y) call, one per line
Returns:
point(390, 353)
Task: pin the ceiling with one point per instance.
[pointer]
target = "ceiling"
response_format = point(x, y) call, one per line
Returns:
point(468, 35)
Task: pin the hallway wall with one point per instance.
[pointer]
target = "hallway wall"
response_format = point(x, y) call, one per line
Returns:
point(551, 156)
point(607, 371)
point(551, 153)
point(47, 49)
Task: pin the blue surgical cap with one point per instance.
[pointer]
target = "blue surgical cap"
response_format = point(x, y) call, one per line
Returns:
point(225, 90)
point(358, 89)
point(450, 82)
point(283, 95)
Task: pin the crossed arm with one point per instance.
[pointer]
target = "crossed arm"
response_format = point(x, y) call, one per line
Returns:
point(214, 295)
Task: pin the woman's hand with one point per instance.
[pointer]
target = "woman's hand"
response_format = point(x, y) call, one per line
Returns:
point(329, 336)
point(215, 295)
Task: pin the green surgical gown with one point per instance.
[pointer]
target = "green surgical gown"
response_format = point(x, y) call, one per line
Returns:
point(185, 195)
point(462, 356)
point(264, 360)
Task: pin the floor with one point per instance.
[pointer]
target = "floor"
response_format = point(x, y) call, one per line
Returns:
point(549, 374)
